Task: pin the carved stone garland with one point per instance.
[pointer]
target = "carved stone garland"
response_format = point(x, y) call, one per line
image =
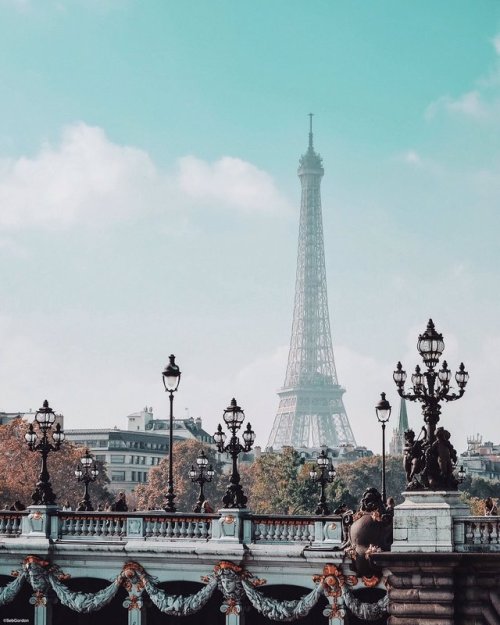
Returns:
point(236, 585)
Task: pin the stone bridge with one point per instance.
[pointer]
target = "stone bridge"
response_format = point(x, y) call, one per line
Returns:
point(238, 568)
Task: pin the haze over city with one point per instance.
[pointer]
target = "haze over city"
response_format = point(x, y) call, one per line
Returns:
point(149, 201)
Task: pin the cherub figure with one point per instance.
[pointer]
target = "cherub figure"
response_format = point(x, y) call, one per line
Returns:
point(412, 455)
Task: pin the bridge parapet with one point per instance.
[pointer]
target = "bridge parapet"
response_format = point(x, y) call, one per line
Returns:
point(240, 526)
point(470, 533)
point(476, 533)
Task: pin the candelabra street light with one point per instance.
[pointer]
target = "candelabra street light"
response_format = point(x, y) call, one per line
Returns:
point(430, 460)
point(44, 418)
point(383, 412)
point(325, 475)
point(202, 476)
point(86, 472)
point(171, 378)
point(233, 417)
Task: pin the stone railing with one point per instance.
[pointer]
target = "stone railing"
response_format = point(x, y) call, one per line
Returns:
point(122, 526)
point(240, 526)
point(299, 529)
point(11, 522)
point(476, 533)
point(236, 525)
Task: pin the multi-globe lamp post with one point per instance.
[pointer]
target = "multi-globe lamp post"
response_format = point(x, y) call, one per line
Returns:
point(86, 471)
point(383, 412)
point(44, 418)
point(233, 417)
point(171, 378)
point(430, 461)
point(202, 475)
point(323, 475)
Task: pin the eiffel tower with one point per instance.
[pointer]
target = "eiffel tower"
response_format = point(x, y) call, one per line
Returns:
point(311, 411)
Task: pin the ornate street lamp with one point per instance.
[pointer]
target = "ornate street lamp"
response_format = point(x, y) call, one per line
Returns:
point(325, 475)
point(233, 417)
point(86, 471)
point(383, 412)
point(171, 378)
point(202, 476)
point(461, 474)
point(44, 418)
point(430, 460)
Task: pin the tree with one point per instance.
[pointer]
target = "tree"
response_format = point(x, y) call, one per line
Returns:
point(20, 467)
point(480, 488)
point(151, 496)
point(278, 484)
point(357, 476)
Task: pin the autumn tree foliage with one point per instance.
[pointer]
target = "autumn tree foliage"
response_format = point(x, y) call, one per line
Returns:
point(277, 483)
point(357, 476)
point(280, 483)
point(20, 467)
point(151, 496)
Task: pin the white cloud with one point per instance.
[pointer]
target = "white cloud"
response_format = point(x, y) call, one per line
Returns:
point(482, 103)
point(496, 43)
point(19, 5)
point(412, 157)
point(229, 182)
point(87, 178)
point(470, 104)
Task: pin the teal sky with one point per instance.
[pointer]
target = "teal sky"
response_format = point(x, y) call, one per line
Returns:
point(149, 199)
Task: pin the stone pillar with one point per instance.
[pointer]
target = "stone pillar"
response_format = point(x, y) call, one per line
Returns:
point(424, 521)
point(235, 615)
point(136, 616)
point(40, 522)
point(420, 588)
point(42, 610)
point(232, 526)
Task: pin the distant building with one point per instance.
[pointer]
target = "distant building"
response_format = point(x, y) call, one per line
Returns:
point(130, 454)
point(7, 417)
point(396, 445)
point(338, 455)
point(481, 459)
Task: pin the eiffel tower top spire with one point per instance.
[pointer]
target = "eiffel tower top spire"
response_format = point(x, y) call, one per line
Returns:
point(310, 162)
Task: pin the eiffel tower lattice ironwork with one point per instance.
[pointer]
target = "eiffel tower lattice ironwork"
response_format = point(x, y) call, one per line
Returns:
point(311, 411)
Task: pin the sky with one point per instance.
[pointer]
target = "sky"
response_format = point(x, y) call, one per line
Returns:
point(149, 201)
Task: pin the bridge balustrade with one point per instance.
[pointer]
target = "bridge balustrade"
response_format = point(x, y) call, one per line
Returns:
point(11, 522)
point(477, 533)
point(471, 533)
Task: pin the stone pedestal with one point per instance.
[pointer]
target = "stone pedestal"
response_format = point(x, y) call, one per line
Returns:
point(40, 522)
point(232, 526)
point(424, 522)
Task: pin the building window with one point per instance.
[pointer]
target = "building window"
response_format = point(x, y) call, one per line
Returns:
point(117, 476)
point(117, 459)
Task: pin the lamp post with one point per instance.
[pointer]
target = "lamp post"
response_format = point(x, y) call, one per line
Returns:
point(430, 460)
point(204, 475)
point(383, 412)
point(325, 475)
point(44, 418)
point(171, 378)
point(86, 471)
point(233, 417)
